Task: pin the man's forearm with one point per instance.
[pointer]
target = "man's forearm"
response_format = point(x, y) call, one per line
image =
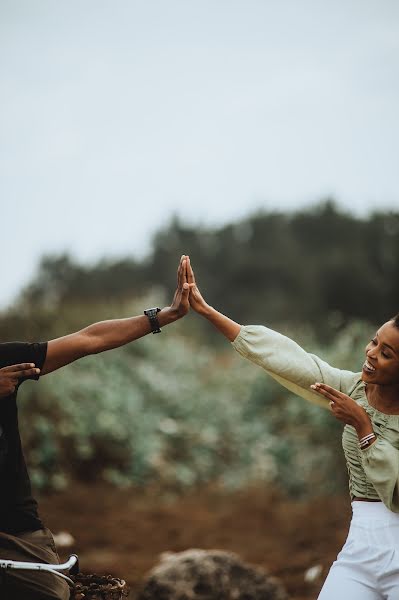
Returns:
point(106, 335)
point(99, 337)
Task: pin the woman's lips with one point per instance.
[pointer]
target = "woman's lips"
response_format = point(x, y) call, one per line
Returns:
point(368, 367)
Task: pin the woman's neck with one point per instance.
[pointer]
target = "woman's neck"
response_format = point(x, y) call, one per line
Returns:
point(384, 398)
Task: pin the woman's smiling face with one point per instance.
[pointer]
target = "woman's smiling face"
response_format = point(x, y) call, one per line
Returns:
point(382, 357)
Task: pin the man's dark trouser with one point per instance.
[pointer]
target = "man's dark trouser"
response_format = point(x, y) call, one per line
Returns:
point(31, 546)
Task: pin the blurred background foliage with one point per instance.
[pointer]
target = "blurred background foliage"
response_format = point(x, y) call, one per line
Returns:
point(182, 410)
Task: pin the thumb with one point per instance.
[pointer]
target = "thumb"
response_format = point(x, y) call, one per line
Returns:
point(186, 289)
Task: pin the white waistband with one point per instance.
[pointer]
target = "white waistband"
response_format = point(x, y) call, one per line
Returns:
point(373, 511)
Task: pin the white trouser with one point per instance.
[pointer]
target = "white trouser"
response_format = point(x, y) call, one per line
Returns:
point(367, 568)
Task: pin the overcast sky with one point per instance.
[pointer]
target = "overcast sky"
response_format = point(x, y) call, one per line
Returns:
point(116, 114)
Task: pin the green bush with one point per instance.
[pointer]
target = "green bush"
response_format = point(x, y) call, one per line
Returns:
point(168, 412)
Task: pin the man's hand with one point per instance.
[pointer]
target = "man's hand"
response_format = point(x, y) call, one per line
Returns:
point(11, 376)
point(180, 304)
point(197, 302)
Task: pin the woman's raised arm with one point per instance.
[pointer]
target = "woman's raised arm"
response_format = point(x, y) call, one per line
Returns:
point(282, 358)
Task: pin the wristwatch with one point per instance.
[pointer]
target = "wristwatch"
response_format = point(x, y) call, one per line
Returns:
point(151, 313)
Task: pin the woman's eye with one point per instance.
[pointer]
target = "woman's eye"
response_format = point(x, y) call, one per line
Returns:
point(374, 341)
point(385, 355)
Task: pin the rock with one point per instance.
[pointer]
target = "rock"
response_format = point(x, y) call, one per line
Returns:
point(209, 575)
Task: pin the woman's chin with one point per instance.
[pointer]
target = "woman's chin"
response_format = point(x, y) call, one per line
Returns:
point(366, 376)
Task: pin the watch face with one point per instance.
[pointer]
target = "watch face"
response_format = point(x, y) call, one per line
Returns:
point(152, 312)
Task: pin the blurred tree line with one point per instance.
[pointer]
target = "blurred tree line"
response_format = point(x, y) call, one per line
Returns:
point(320, 266)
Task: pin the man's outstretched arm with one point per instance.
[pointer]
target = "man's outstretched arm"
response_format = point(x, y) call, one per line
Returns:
point(114, 333)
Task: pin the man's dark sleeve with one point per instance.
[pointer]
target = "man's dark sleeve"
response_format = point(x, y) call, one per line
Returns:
point(13, 353)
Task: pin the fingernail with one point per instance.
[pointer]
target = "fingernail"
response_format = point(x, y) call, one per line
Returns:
point(313, 387)
point(37, 370)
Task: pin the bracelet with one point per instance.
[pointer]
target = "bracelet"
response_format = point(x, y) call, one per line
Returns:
point(365, 441)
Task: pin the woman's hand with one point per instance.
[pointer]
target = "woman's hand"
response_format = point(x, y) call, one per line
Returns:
point(229, 328)
point(345, 409)
point(180, 304)
point(196, 300)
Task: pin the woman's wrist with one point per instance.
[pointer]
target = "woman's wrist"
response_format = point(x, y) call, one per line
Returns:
point(206, 311)
point(363, 426)
point(229, 328)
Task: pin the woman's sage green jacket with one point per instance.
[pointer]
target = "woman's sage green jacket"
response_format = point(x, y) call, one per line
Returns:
point(373, 472)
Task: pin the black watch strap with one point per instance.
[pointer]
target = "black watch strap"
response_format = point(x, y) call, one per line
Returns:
point(152, 313)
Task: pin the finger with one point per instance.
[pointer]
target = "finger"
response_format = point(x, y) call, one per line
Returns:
point(184, 270)
point(28, 373)
point(190, 272)
point(319, 387)
point(324, 393)
point(18, 367)
point(330, 389)
point(180, 271)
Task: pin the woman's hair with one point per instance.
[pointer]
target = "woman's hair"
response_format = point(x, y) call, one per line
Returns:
point(395, 320)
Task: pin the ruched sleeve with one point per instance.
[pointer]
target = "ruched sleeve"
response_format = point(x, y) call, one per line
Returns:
point(289, 364)
point(381, 466)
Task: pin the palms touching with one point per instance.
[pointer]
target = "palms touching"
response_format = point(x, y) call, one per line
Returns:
point(197, 302)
